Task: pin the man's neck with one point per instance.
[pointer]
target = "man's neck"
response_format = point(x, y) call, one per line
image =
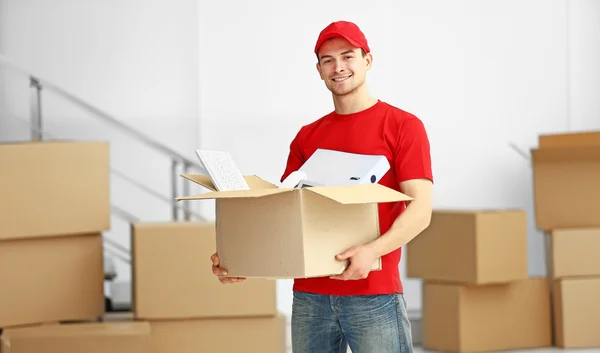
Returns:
point(353, 103)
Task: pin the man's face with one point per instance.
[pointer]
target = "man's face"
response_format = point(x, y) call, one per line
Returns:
point(342, 66)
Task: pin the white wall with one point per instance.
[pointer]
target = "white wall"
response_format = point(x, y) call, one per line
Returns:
point(481, 75)
point(584, 64)
point(135, 59)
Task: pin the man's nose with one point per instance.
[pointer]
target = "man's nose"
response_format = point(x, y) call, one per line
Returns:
point(339, 66)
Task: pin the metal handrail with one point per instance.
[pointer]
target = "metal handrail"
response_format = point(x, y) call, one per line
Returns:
point(101, 114)
point(116, 255)
point(115, 245)
point(37, 84)
point(154, 193)
point(117, 250)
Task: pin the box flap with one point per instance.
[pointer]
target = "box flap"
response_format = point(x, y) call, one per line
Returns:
point(565, 154)
point(238, 194)
point(200, 179)
point(360, 193)
point(253, 181)
point(574, 139)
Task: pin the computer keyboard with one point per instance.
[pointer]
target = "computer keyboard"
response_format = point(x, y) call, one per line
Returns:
point(222, 170)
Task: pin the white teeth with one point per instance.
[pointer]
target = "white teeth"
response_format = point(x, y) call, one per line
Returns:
point(341, 78)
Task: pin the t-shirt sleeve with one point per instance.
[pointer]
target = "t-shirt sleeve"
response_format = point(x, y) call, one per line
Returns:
point(412, 153)
point(295, 159)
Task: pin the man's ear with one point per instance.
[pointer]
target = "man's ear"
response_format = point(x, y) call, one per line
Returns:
point(369, 59)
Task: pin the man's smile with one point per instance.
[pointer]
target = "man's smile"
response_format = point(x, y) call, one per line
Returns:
point(341, 78)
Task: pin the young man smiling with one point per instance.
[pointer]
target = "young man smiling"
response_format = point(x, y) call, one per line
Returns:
point(365, 310)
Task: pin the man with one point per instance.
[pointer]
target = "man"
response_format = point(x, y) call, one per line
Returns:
point(364, 310)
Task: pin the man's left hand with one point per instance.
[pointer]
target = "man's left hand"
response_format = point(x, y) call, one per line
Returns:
point(361, 259)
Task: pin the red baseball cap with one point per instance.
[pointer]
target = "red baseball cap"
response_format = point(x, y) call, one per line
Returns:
point(345, 29)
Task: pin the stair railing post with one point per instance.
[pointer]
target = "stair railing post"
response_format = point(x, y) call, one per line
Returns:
point(174, 179)
point(35, 109)
point(186, 192)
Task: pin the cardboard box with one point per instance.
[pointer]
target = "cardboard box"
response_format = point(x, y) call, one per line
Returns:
point(476, 247)
point(172, 276)
point(488, 318)
point(116, 337)
point(574, 252)
point(51, 279)
point(276, 232)
point(577, 312)
point(248, 335)
point(566, 170)
point(50, 188)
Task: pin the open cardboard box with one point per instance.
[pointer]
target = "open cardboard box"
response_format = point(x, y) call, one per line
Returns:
point(285, 233)
point(567, 167)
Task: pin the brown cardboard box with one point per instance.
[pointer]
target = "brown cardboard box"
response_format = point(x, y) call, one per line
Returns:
point(476, 247)
point(276, 232)
point(566, 170)
point(470, 318)
point(51, 279)
point(577, 312)
point(172, 276)
point(50, 188)
point(116, 337)
point(248, 335)
point(574, 252)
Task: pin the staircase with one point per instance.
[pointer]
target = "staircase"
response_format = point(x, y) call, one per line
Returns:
point(49, 106)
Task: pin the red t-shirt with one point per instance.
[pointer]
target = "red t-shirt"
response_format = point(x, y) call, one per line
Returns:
point(379, 130)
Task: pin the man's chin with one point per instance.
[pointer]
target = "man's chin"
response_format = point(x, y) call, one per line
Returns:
point(342, 93)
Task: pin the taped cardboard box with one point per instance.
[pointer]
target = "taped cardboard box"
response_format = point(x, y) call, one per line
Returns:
point(576, 312)
point(54, 187)
point(574, 252)
point(51, 279)
point(173, 279)
point(487, 318)
point(113, 337)
point(228, 335)
point(273, 232)
point(470, 247)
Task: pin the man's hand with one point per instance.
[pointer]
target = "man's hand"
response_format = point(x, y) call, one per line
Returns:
point(222, 272)
point(361, 259)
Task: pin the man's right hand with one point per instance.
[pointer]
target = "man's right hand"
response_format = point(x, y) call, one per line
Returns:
point(222, 272)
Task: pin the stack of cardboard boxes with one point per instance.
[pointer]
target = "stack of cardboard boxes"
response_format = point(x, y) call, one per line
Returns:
point(187, 307)
point(54, 206)
point(566, 171)
point(477, 296)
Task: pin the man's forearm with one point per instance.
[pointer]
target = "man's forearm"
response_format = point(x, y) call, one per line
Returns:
point(412, 221)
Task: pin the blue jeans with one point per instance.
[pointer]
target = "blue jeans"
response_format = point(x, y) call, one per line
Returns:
point(368, 324)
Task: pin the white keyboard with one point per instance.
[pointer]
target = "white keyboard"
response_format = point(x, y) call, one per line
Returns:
point(222, 170)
